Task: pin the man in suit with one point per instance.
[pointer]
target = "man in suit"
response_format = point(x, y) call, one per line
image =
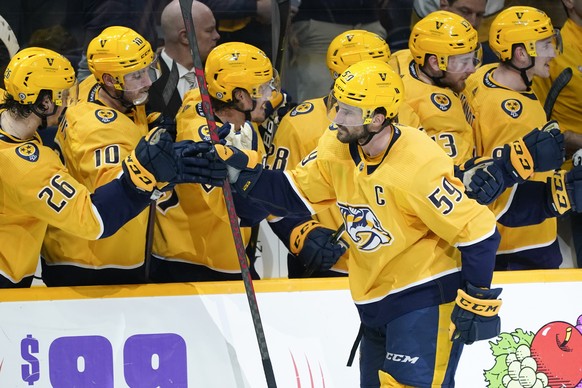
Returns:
point(176, 62)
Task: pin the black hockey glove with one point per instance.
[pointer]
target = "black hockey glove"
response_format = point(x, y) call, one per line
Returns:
point(244, 167)
point(197, 163)
point(151, 161)
point(475, 315)
point(565, 191)
point(157, 163)
point(546, 147)
point(538, 151)
point(315, 246)
point(482, 178)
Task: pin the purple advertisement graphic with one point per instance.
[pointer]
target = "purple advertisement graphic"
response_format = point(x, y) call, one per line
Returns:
point(153, 360)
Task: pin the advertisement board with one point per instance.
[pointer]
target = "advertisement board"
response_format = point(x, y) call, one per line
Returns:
point(202, 335)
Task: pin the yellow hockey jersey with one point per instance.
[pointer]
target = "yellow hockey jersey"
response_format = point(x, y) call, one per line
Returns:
point(404, 211)
point(499, 116)
point(439, 109)
point(297, 135)
point(192, 223)
point(94, 139)
point(37, 190)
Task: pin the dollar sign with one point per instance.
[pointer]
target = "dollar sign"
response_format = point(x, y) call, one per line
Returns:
point(30, 371)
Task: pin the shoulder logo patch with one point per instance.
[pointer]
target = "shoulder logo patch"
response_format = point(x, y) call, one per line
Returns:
point(106, 115)
point(204, 133)
point(512, 107)
point(301, 109)
point(441, 101)
point(28, 152)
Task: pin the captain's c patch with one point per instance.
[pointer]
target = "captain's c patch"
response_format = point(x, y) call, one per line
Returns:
point(28, 152)
point(105, 115)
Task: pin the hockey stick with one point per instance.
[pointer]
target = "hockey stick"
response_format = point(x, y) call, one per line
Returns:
point(275, 29)
point(280, 21)
point(186, 7)
point(149, 240)
point(559, 83)
point(8, 38)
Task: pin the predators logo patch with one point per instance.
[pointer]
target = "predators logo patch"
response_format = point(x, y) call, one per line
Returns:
point(106, 115)
point(441, 101)
point(301, 109)
point(28, 152)
point(204, 133)
point(512, 107)
point(364, 227)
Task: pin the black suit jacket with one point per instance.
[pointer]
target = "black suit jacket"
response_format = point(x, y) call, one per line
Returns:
point(156, 101)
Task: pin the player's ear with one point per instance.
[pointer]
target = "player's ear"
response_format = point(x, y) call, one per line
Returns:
point(108, 79)
point(520, 54)
point(241, 95)
point(432, 63)
point(378, 119)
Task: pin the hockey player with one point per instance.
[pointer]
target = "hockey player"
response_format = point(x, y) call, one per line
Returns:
point(297, 135)
point(36, 190)
point(95, 136)
point(193, 238)
point(501, 108)
point(416, 241)
point(444, 52)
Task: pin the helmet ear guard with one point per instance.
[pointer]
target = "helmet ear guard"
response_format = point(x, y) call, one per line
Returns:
point(353, 46)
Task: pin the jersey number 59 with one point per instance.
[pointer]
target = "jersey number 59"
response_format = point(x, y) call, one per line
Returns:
point(445, 197)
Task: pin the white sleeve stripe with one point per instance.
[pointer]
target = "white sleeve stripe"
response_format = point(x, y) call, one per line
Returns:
point(98, 216)
point(482, 238)
point(306, 203)
point(509, 201)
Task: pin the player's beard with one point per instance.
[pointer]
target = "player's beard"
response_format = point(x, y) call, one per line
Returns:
point(352, 134)
point(456, 85)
